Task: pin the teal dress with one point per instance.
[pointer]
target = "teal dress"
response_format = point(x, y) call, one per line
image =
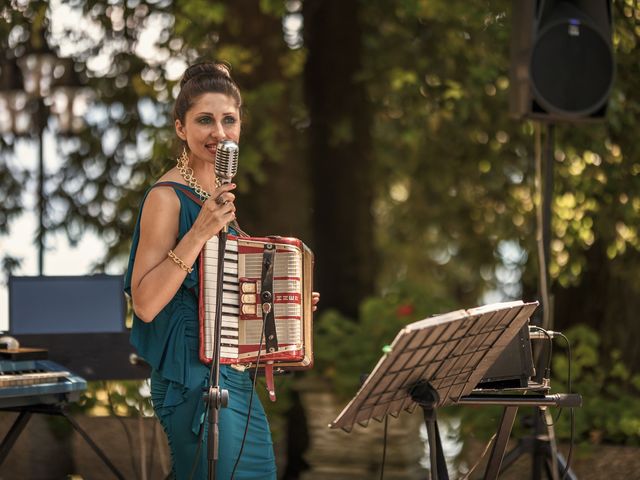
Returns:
point(170, 345)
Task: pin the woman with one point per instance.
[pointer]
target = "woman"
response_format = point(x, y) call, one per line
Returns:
point(183, 210)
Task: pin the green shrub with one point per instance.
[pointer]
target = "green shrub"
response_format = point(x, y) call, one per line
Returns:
point(346, 349)
point(610, 391)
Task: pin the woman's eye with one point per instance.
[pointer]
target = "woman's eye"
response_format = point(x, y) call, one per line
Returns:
point(204, 120)
point(229, 120)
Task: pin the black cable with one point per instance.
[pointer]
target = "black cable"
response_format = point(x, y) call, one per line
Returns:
point(547, 373)
point(124, 427)
point(570, 454)
point(384, 446)
point(152, 443)
point(573, 413)
point(568, 357)
point(568, 369)
point(484, 452)
point(253, 389)
point(196, 457)
point(571, 409)
point(215, 362)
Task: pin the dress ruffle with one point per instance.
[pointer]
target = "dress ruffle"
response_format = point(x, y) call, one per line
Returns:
point(162, 343)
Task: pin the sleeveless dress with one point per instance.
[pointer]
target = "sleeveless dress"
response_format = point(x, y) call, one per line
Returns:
point(170, 345)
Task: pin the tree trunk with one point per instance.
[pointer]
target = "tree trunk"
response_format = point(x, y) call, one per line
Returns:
point(279, 205)
point(340, 154)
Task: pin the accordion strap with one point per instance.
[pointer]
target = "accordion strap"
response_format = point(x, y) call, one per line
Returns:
point(178, 186)
point(268, 318)
point(266, 295)
point(268, 375)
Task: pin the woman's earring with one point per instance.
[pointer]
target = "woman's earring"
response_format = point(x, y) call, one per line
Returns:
point(183, 159)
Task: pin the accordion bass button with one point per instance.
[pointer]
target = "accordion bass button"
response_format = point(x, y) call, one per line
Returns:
point(248, 309)
point(250, 299)
point(248, 287)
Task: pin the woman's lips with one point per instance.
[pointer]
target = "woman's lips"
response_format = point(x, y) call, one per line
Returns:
point(212, 148)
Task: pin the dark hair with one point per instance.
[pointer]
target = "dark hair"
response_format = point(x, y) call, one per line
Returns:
point(201, 78)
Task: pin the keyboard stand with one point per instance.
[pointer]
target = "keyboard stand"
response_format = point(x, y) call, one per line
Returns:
point(23, 418)
point(535, 397)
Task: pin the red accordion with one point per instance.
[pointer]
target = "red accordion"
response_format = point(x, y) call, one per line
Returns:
point(266, 299)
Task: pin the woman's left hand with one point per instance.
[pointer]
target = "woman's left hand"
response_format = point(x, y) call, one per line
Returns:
point(315, 298)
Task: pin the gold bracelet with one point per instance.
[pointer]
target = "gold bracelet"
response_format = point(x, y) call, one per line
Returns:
point(179, 262)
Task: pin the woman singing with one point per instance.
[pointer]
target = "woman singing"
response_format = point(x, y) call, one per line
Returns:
point(179, 214)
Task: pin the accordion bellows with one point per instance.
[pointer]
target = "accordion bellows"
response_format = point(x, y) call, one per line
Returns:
point(287, 319)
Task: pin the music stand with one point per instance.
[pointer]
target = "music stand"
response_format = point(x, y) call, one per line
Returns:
point(434, 363)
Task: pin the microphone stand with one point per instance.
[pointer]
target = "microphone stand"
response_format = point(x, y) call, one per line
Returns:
point(216, 397)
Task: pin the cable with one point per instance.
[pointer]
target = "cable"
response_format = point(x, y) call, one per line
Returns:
point(384, 446)
point(125, 428)
point(151, 453)
point(547, 373)
point(484, 452)
point(196, 457)
point(568, 369)
point(571, 409)
point(573, 413)
point(568, 357)
point(253, 389)
point(215, 363)
point(571, 442)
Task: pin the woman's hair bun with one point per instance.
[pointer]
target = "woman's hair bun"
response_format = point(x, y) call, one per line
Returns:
point(204, 77)
point(210, 69)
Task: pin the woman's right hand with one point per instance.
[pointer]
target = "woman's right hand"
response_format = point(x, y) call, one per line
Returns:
point(216, 212)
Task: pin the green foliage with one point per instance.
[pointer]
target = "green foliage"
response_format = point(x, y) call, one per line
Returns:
point(130, 398)
point(610, 390)
point(346, 349)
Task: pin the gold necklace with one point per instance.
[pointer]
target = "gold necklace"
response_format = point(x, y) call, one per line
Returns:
point(182, 164)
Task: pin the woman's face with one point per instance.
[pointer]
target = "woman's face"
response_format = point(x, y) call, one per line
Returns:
point(212, 118)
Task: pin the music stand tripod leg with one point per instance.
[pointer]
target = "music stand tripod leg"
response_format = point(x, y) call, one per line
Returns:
point(427, 398)
point(436, 452)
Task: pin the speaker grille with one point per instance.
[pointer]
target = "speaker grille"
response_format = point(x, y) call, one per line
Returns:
point(571, 68)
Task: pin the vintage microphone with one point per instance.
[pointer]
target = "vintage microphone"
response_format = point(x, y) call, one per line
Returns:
point(217, 398)
point(226, 160)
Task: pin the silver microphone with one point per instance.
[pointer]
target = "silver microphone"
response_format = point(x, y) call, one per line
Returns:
point(226, 160)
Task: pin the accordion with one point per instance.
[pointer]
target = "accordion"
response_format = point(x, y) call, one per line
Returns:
point(266, 300)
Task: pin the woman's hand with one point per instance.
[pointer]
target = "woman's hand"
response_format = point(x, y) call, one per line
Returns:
point(315, 299)
point(216, 212)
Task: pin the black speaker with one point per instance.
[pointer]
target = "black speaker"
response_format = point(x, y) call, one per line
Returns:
point(562, 63)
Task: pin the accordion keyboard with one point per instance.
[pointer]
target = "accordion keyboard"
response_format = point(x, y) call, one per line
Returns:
point(230, 297)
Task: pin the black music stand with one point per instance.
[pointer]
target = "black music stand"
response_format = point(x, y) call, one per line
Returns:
point(434, 363)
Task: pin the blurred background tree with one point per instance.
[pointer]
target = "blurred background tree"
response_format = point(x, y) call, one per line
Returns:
point(375, 131)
